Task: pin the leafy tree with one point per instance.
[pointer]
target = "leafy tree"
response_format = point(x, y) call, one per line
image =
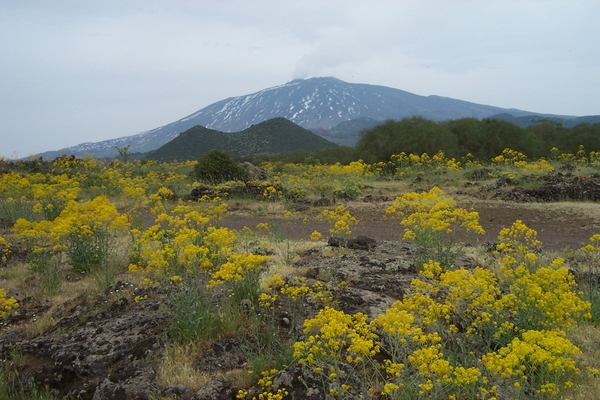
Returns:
point(546, 130)
point(218, 166)
point(410, 135)
point(124, 152)
point(499, 135)
point(585, 134)
point(469, 136)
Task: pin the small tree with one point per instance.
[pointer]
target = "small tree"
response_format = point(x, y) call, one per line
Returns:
point(218, 166)
point(124, 152)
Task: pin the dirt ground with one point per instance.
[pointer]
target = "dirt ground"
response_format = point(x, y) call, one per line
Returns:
point(559, 225)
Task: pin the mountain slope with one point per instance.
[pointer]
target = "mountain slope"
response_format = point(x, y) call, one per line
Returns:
point(346, 133)
point(325, 102)
point(311, 103)
point(273, 136)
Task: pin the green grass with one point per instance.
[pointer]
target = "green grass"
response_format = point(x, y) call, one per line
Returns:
point(195, 316)
point(12, 387)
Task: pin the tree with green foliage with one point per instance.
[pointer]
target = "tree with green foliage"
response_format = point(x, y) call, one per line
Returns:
point(218, 166)
point(585, 134)
point(546, 130)
point(416, 135)
point(124, 152)
point(500, 134)
point(469, 136)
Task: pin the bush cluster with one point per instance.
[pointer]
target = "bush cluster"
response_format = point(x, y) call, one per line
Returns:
point(218, 166)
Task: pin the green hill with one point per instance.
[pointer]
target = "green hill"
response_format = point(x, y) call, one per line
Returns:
point(273, 136)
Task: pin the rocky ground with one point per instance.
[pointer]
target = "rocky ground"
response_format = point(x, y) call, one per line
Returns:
point(108, 347)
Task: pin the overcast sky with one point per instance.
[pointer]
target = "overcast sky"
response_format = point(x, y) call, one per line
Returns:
point(86, 71)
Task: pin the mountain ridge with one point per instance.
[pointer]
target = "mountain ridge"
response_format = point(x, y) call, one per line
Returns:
point(314, 103)
point(276, 135)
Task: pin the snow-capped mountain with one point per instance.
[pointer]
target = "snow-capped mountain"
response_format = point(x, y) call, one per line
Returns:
point(317, 104)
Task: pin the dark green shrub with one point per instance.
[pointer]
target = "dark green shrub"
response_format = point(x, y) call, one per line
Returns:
point(218, 166)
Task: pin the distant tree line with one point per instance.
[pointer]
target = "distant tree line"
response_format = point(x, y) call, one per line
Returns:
point(484, 139)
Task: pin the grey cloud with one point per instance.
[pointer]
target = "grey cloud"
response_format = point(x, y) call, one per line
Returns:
point(75, 71)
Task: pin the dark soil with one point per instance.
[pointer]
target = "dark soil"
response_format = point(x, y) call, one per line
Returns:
point(556, 230)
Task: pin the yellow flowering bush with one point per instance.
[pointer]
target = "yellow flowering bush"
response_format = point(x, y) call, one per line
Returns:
point(581, 155)
point(431, 212)
point(36, 236)
point(469, 161)
point(286, 186)
point(514, 322)
point(539, 167)
point(5, 246)
point(510, 157)
point(215, 208)
point(72, 165)
point(316, 236)
point(266, 384)
point(236, 267)
point(220, 243)
point(134, 198)
point(263, 228)
point(518, 240)
point(337, 180)
point(15, 193)
point(158, 199)
point(7, 305)
point(341, 221)
point(334, 338)
point(14, 185)
point(184, 241)
point(417, 333)
point(543, 299)
point(542, 359)
point(87, 231)
point(588, 256)
point(177, 243)
point(271, 193)
point(54, 194)
point(593, 247)
point(267, 301)
point(431, 219)
point(270, 292)
point(403, 164)
point(318, 293)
